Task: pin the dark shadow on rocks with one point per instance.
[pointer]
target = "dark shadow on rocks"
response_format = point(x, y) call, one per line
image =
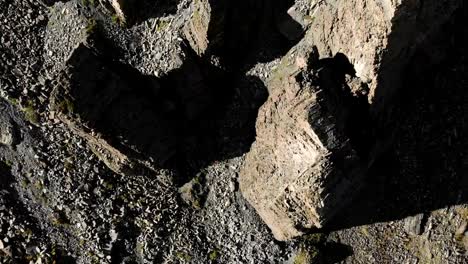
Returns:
point(124, 248)
point(425, 169)
point(333, 252)
point(346, 102)
point(194, 115)
point(174, 121)
point(146, 9)
point(240, 34)
point(243, 33)
point(139, 11)
point(215, 112)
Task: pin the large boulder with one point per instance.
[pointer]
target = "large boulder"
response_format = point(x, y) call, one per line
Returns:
point(302, 165)
point(314, 138)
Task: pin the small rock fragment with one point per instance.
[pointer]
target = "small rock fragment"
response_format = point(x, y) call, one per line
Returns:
point(192, 193)
point(413, 224)
point(6, 136)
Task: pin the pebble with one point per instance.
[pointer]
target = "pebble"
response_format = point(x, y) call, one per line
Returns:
point(232, 186)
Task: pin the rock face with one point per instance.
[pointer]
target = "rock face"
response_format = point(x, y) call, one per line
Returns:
point(309, 159)
point(302, 165)
point(166, 94)
point(378, 37)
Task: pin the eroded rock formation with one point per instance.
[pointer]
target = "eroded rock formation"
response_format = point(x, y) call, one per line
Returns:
point(312, 146)
point(302, 165)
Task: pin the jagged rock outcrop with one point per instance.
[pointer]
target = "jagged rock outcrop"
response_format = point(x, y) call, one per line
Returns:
point(308, 159)
point(302, 164)
point(132, 121)
point(168, 84)
point(378, 37)
point(196, 28)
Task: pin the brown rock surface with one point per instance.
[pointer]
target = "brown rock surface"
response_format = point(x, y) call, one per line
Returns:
point(308, 159)
point(196, 30)
point(302, 166)
point(378, 37)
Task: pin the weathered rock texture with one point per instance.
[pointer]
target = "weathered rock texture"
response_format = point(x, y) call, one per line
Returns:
point(126, 90)
point(378, 37)
point(196, 30)
point(7, 133)
point(308, 160)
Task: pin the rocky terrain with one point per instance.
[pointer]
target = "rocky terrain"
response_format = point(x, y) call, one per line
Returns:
point(212, 131)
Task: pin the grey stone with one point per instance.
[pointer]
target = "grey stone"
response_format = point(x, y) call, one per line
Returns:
point(413, 224)
point(7, 133)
